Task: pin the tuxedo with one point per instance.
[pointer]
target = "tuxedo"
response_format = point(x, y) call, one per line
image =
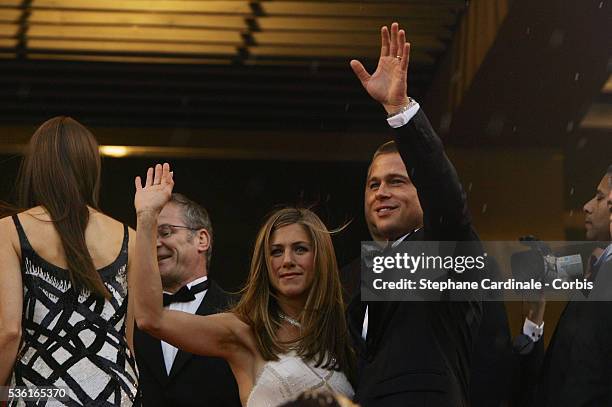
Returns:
point(418, 353)
point(193, 380)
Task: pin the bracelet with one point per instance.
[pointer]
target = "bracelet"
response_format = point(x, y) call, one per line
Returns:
point(411, 102)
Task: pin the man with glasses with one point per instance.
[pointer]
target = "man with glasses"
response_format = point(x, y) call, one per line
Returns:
point(169, 376)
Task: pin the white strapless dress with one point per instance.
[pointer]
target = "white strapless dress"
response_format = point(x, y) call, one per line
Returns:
point(284, 379)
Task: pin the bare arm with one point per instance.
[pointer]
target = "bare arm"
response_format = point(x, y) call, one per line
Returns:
point(11, 300)
point(221, 335)
point(129, 319)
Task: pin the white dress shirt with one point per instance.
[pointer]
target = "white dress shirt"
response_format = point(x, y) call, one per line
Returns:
point(405, 116)
point(533, 330)
point(191, 307)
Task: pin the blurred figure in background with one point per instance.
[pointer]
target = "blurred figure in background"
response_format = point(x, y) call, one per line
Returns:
point(575, 369)
point(597, 221)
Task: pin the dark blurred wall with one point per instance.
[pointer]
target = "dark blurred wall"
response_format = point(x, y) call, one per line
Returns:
point(238, 194)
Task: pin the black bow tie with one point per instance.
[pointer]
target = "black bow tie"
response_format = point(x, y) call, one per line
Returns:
point(186, 294)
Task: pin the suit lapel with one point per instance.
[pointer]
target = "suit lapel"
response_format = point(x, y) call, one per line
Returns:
point(150, 348)
point(380, 313)
point(379, 316)
point(355, 314)
point(209, 305)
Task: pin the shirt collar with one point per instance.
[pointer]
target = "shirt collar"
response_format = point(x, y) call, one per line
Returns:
point(196, 281)
point(605, 256)
point(401, 239)
point(192, 283)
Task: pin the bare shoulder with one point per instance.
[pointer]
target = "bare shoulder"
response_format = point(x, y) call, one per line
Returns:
point(232, 321)
point(37, 213)
point(240, 329)
point(106, 250)
point(5, 223)
point(246, 359)
point(101, 224)
point(104, 220)
point(241, 326)
point(242, 352)
point(7, 229)
point(245, 331)
point(10, 249)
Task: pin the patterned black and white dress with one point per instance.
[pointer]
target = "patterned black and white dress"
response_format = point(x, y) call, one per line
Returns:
point(73, 339)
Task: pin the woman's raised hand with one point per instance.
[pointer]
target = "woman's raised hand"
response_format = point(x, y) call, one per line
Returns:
point(156, 191)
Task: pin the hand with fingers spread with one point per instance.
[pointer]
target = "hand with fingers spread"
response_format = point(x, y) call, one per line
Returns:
point(156, 191)
point(388, 84)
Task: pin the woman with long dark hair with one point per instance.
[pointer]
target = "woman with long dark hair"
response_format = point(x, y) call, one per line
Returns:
point(286, 335)
point(64, 312)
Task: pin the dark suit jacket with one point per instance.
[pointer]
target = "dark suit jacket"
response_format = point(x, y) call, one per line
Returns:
point(495, 368)
point(577, 366)
point(418, 353)
point(193, 380)
point(493, 362)
point(497, 372)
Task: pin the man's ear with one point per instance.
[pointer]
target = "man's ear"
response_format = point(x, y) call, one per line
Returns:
point(203, 238)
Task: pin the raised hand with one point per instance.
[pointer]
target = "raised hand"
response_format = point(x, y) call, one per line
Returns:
point(388, 84)
point(156, 191)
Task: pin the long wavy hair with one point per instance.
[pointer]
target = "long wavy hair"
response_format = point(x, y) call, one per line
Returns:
point(61, 172)
point(324, 334)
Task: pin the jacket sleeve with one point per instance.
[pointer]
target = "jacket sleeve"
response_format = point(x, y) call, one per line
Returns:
point(445, 212)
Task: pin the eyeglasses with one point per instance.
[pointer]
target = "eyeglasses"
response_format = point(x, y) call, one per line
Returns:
point(165, 231)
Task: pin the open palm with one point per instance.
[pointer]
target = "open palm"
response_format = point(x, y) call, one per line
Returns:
point(156, 191)
point(388, 84)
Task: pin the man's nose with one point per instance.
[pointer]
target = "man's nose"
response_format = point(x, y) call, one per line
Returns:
point(587, 207)
point(383, 191)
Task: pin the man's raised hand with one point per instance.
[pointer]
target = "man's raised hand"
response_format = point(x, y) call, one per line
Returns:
point(388, 84)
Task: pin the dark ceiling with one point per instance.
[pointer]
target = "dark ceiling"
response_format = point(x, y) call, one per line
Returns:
point(269, 66)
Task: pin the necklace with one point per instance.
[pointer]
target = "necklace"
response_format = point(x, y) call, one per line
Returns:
point(291, 321)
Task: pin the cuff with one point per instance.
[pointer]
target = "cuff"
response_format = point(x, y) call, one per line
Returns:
point(532, 330)
point(403, 117)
